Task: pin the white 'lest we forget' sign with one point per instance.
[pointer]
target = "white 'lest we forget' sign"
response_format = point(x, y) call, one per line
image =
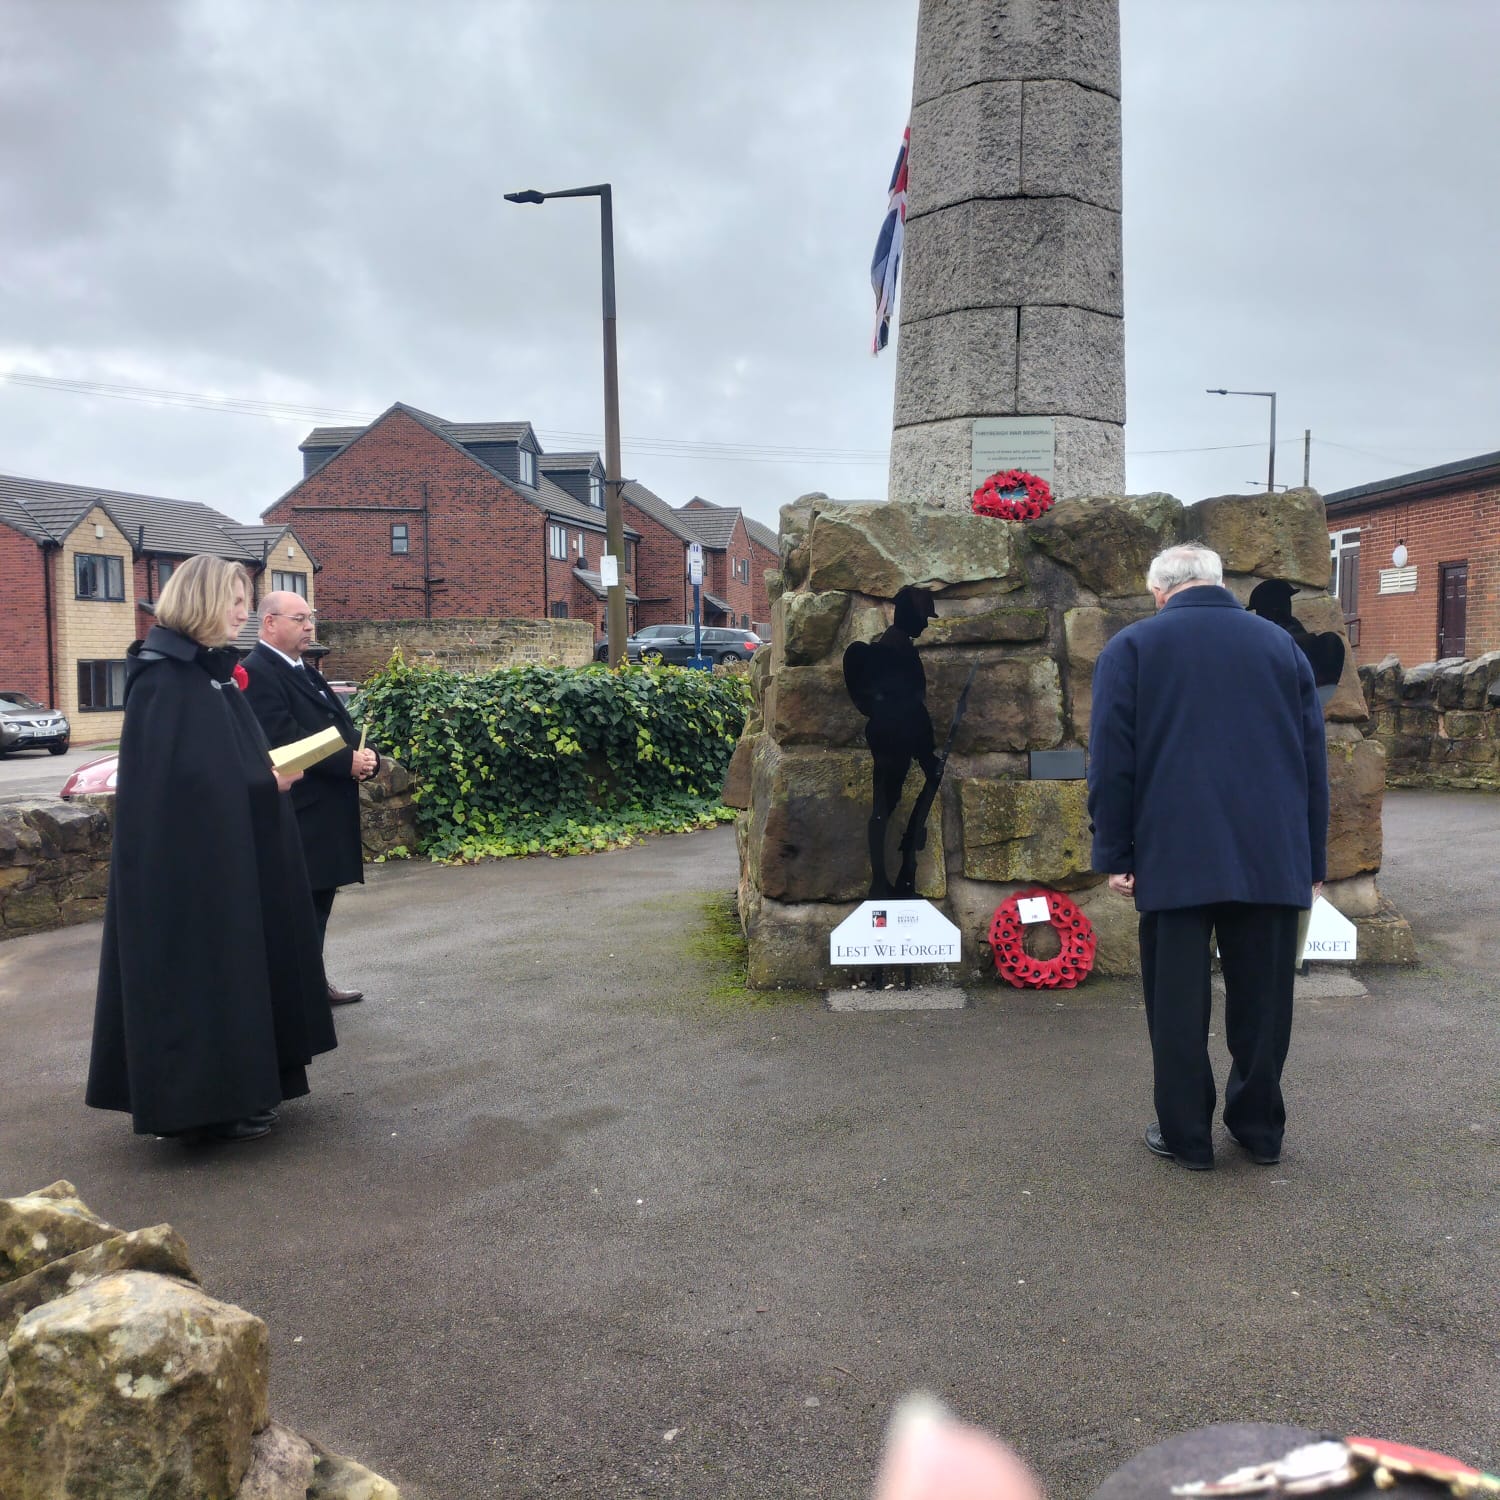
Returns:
point(894, 932)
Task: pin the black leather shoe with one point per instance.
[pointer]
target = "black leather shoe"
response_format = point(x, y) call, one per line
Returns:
point(266, 1117)
point(337, 996)
point(1260, 1158)
point(1158, 1147)
point(240, 1130)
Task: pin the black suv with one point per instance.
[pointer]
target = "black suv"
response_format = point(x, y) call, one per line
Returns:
point(26, 724)
point(719, 644)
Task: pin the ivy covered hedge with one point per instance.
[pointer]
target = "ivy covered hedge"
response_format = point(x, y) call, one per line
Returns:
point(532, 760)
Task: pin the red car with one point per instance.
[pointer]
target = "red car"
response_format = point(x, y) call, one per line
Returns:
point(94, 777)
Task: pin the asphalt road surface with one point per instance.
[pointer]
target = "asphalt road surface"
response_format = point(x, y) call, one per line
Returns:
point(570, 1214)
point(26, 774)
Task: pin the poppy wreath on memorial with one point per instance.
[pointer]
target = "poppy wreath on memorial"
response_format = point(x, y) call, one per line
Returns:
point(1073, 959)
point(1013, 495)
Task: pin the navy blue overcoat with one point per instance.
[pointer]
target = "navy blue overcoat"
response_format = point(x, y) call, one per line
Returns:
point(1208, 769)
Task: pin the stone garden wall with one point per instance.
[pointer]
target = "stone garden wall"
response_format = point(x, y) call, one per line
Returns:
point(120, 1376)
point(356, 648)
point(1439, 723)
point(54, 855)
point(1032, 605)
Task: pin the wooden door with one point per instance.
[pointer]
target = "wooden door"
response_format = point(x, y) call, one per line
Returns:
point(1453, 609)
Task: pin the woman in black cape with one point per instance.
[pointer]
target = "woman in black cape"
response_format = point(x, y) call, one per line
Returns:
point(211, 998)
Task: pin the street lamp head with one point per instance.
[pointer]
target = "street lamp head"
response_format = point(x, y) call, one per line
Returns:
point(529, 196)
point(1210, 392)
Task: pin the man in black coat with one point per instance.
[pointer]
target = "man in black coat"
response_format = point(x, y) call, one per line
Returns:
point(1208, 791)
point(292, 701)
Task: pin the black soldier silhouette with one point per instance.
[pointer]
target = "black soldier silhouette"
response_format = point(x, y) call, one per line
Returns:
point(1272, 600)
point(886, 681)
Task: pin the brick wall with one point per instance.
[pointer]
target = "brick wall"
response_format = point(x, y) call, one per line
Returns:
point(23, 617)
point(356, 648)
point(91, 629)
point(660, 570)
point(487, 543)
point(1455, 527)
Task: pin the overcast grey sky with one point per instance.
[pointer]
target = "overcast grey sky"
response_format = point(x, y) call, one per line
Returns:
point(299, 202)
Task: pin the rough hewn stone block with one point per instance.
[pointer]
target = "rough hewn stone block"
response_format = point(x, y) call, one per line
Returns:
point(964, 145)
point(1070, 143)
point(811, 706)
point(878, 549)
point(960, 364)
point(986, 625)
point(806, 625)
point(1012, 252)
point(1108, 543)
point(1026, 830)
point(1356, 789)
point(1015, 703)
point(44, 1226)
point(1272, 536)
point(1069, 362)
point(963, 42)
point(1086, 632)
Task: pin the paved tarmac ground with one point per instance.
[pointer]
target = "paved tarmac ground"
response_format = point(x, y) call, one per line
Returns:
point(27, 774)
point(570, 1214)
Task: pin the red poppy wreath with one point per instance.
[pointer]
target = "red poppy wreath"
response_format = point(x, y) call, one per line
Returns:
point(1073, 959)
point(1013, 495)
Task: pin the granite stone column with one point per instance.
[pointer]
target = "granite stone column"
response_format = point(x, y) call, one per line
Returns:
point(1011, 302)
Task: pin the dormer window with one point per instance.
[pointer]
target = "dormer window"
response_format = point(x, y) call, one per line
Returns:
point(596, 492)
point(528, 467)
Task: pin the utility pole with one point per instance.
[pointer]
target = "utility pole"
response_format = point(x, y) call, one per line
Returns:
point(1307, 458)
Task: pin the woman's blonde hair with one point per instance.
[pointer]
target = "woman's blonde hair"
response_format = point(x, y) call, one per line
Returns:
point(197, 597)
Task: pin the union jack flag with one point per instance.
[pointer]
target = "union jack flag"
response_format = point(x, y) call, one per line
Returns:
point(886, 266)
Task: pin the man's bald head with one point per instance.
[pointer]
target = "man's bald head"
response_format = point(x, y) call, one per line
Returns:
point(286, 622)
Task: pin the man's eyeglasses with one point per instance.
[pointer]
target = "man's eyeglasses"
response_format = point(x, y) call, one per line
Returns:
point(301, 619)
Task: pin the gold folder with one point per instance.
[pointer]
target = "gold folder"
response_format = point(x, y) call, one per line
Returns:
point(301, 754)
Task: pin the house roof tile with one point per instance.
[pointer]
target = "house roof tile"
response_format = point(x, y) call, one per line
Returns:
point(571, 462)
point(658, 510)
point(592, 581)
point(714, 524)
point(151, 523)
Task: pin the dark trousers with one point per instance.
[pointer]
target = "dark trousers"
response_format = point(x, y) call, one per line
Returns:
point(1258, 955)
point(323, 905)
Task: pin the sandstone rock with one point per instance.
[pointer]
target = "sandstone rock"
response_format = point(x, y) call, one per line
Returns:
point(1461, 724)
point(1384, 939)
point(984, 626)
point(132, 1385)
point(1355, 897)
point(1272, 536)
point(806, 625)
point(338, 1478)
point(45, 1226)
point(1448, 687)
point(813, 806)
point(32, 910)
point(1116, 925)
point(795, 524)
point(20, 844)
point(68, 826)
point(1319, 614)
point(811, 706)
point(1420, 681)
point(1015, 703)
point(1478, 677)
point(159, 1249)
point(1382, 682)
point(1086, 632)
point(1356, 787)
point(1108, 543)
point(1026, 830)
point(282, 1466)
point(736, 791)
point(788, 944)
point(880, 548)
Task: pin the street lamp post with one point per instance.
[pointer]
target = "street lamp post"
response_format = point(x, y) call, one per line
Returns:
point(1271, 465)
point(614, 519)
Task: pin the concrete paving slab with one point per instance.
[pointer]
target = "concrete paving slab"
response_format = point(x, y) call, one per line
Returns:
point(918, 997)
point(566, 1188)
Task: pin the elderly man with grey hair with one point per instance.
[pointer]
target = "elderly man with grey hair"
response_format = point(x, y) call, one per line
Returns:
point(1208, 794)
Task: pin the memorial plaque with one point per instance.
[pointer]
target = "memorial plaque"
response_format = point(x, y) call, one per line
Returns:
point(1000, 443)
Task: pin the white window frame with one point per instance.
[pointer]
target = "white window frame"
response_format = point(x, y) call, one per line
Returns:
point(557, 542)
point(528, 467)
point(596, 492)
point(1340, 542)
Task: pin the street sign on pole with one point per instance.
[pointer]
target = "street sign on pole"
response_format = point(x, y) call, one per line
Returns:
point(609, 570)
point(695, 563)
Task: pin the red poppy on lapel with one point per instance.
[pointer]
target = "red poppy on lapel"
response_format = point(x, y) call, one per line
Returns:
point(241, 677)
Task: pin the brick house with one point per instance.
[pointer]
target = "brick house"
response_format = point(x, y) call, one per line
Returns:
point(1443, 598)
point(415, 516)
point(81, 569)
point(736, 554)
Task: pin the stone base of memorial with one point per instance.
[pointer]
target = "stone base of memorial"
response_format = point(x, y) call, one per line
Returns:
point(1031, 605)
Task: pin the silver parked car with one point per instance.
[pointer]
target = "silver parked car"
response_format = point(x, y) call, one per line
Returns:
point(26, 724)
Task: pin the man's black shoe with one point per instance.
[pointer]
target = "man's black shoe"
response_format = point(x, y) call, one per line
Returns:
point(240, 1130)
point(1157, 1146)
point(337, 996)
point(1260, 1158)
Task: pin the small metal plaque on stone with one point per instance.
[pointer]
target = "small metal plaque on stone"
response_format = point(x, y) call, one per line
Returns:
point(1001, 443)
point(1057, 765)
